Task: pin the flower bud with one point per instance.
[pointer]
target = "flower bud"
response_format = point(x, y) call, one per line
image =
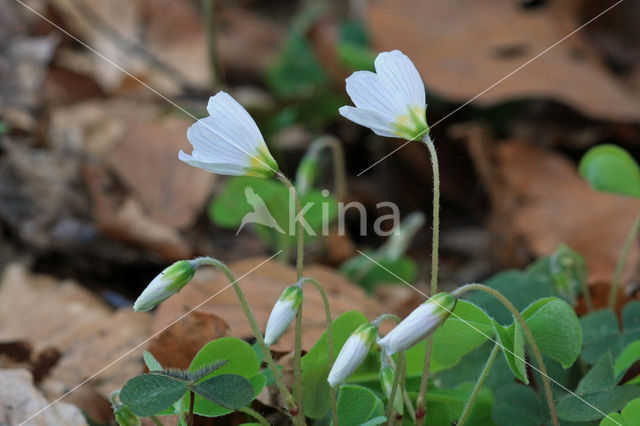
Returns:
point(167, 283)
point(283, 313)
point(420, 323)
point(123, 414)
point(352, 354)
point(386, 377)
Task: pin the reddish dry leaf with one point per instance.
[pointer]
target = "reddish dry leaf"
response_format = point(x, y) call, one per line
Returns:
point(462, 48)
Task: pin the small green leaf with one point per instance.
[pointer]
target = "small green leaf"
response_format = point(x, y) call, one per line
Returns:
point(151, 361)
point(228, 390)
point(610, 168)
point(518, 404)
point(556, 329)
point(149, 394)
point(368, 274)
point(512, 344)
point(467, 328)
point(356, 405)
point(600, 377)
point(600, 333)
point(574, 409)
point(626, 359)
point(629, 416)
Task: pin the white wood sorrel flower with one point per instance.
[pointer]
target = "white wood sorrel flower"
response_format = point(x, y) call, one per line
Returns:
point(391, 101)
point(284, 311)
point(352, 354)
point(167, 283)
point(420, 323)
point(228, 142)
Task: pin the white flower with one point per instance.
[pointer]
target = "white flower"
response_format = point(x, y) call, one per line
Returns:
point(228, 142)
point(167, 283)
point(391, 101)
point(420, 323)
point(284, 311)
point(352, 354)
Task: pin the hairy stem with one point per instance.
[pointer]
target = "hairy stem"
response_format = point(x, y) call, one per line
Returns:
point(327, 311)
point(255, 415)
point(288, 398)
point(527, 332)
point(622, 261)
point(421, 402)
point(476, 389)
point(208, 12)
point(297, 354)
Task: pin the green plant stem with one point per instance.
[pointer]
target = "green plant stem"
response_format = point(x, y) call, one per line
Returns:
point(397, 379)
point(208, 13)
point(622, 261)
point(255, 415)
point(192, 400)
point(156, 420)
point(327, 311)
point(527, 332)
point(288, 398)
point(476, 389)
point(421, 402)
point(339, 169)
point(297, 355)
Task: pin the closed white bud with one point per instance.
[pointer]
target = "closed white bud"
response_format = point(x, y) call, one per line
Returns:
point(283, 313)
point(167, 283)
point(352, 354)
point(387, 376)
point(420, 323)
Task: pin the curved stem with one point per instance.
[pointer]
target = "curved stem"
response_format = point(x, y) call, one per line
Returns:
point(339, 169)
point(255, 415)
point(289, 401)
point(622, 261)
point(527, 332)
point(421, 402)
point(476, 389)
point(327, 311)
point(397, 378)
point(297, 354)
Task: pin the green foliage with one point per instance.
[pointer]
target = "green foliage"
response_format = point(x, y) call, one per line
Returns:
point(227, 390)
point(315, 365)
point(515, 401)
point(512, 345)
point(602, 333)
point(628, 417)
point(357, 405)
point(449, 403)
point(151, 361)
point(231, 205)
point(242, 361)
point(568, 273)
point(368, 274)
point(629, 356)
point(151, 393)
point(353, 46)
point(610, 168)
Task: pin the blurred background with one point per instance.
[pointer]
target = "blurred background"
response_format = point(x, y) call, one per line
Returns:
point(94, 202)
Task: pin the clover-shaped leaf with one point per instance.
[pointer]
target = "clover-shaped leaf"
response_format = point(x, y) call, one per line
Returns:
point(610, 168)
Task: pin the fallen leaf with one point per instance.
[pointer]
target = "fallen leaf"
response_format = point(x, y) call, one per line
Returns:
point(459, 55)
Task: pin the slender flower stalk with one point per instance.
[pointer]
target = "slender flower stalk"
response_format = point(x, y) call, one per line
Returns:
point(170, 281)
point(288, 398)
point(390, 382)
point(255, 415)
point(308, 168)
point(528, 334)
point(283, 313)
point(353, 353)
point(476, 388)
point(435, 243)
point(622, 261)
point(327, 311)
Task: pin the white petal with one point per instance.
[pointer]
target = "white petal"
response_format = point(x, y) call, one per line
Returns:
point(349, 359)
point(369, 92)
point(235, 121)
point(398, 72)
point(219, 168)
point(418, 325)
point(281, 317)
point(211, 144)
point(376, 122)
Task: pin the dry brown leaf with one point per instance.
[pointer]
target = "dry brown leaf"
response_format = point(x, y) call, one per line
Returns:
point(262, 288)
point(539, 201)
point(176, 346)
point(461, 48)
point(65, 316)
